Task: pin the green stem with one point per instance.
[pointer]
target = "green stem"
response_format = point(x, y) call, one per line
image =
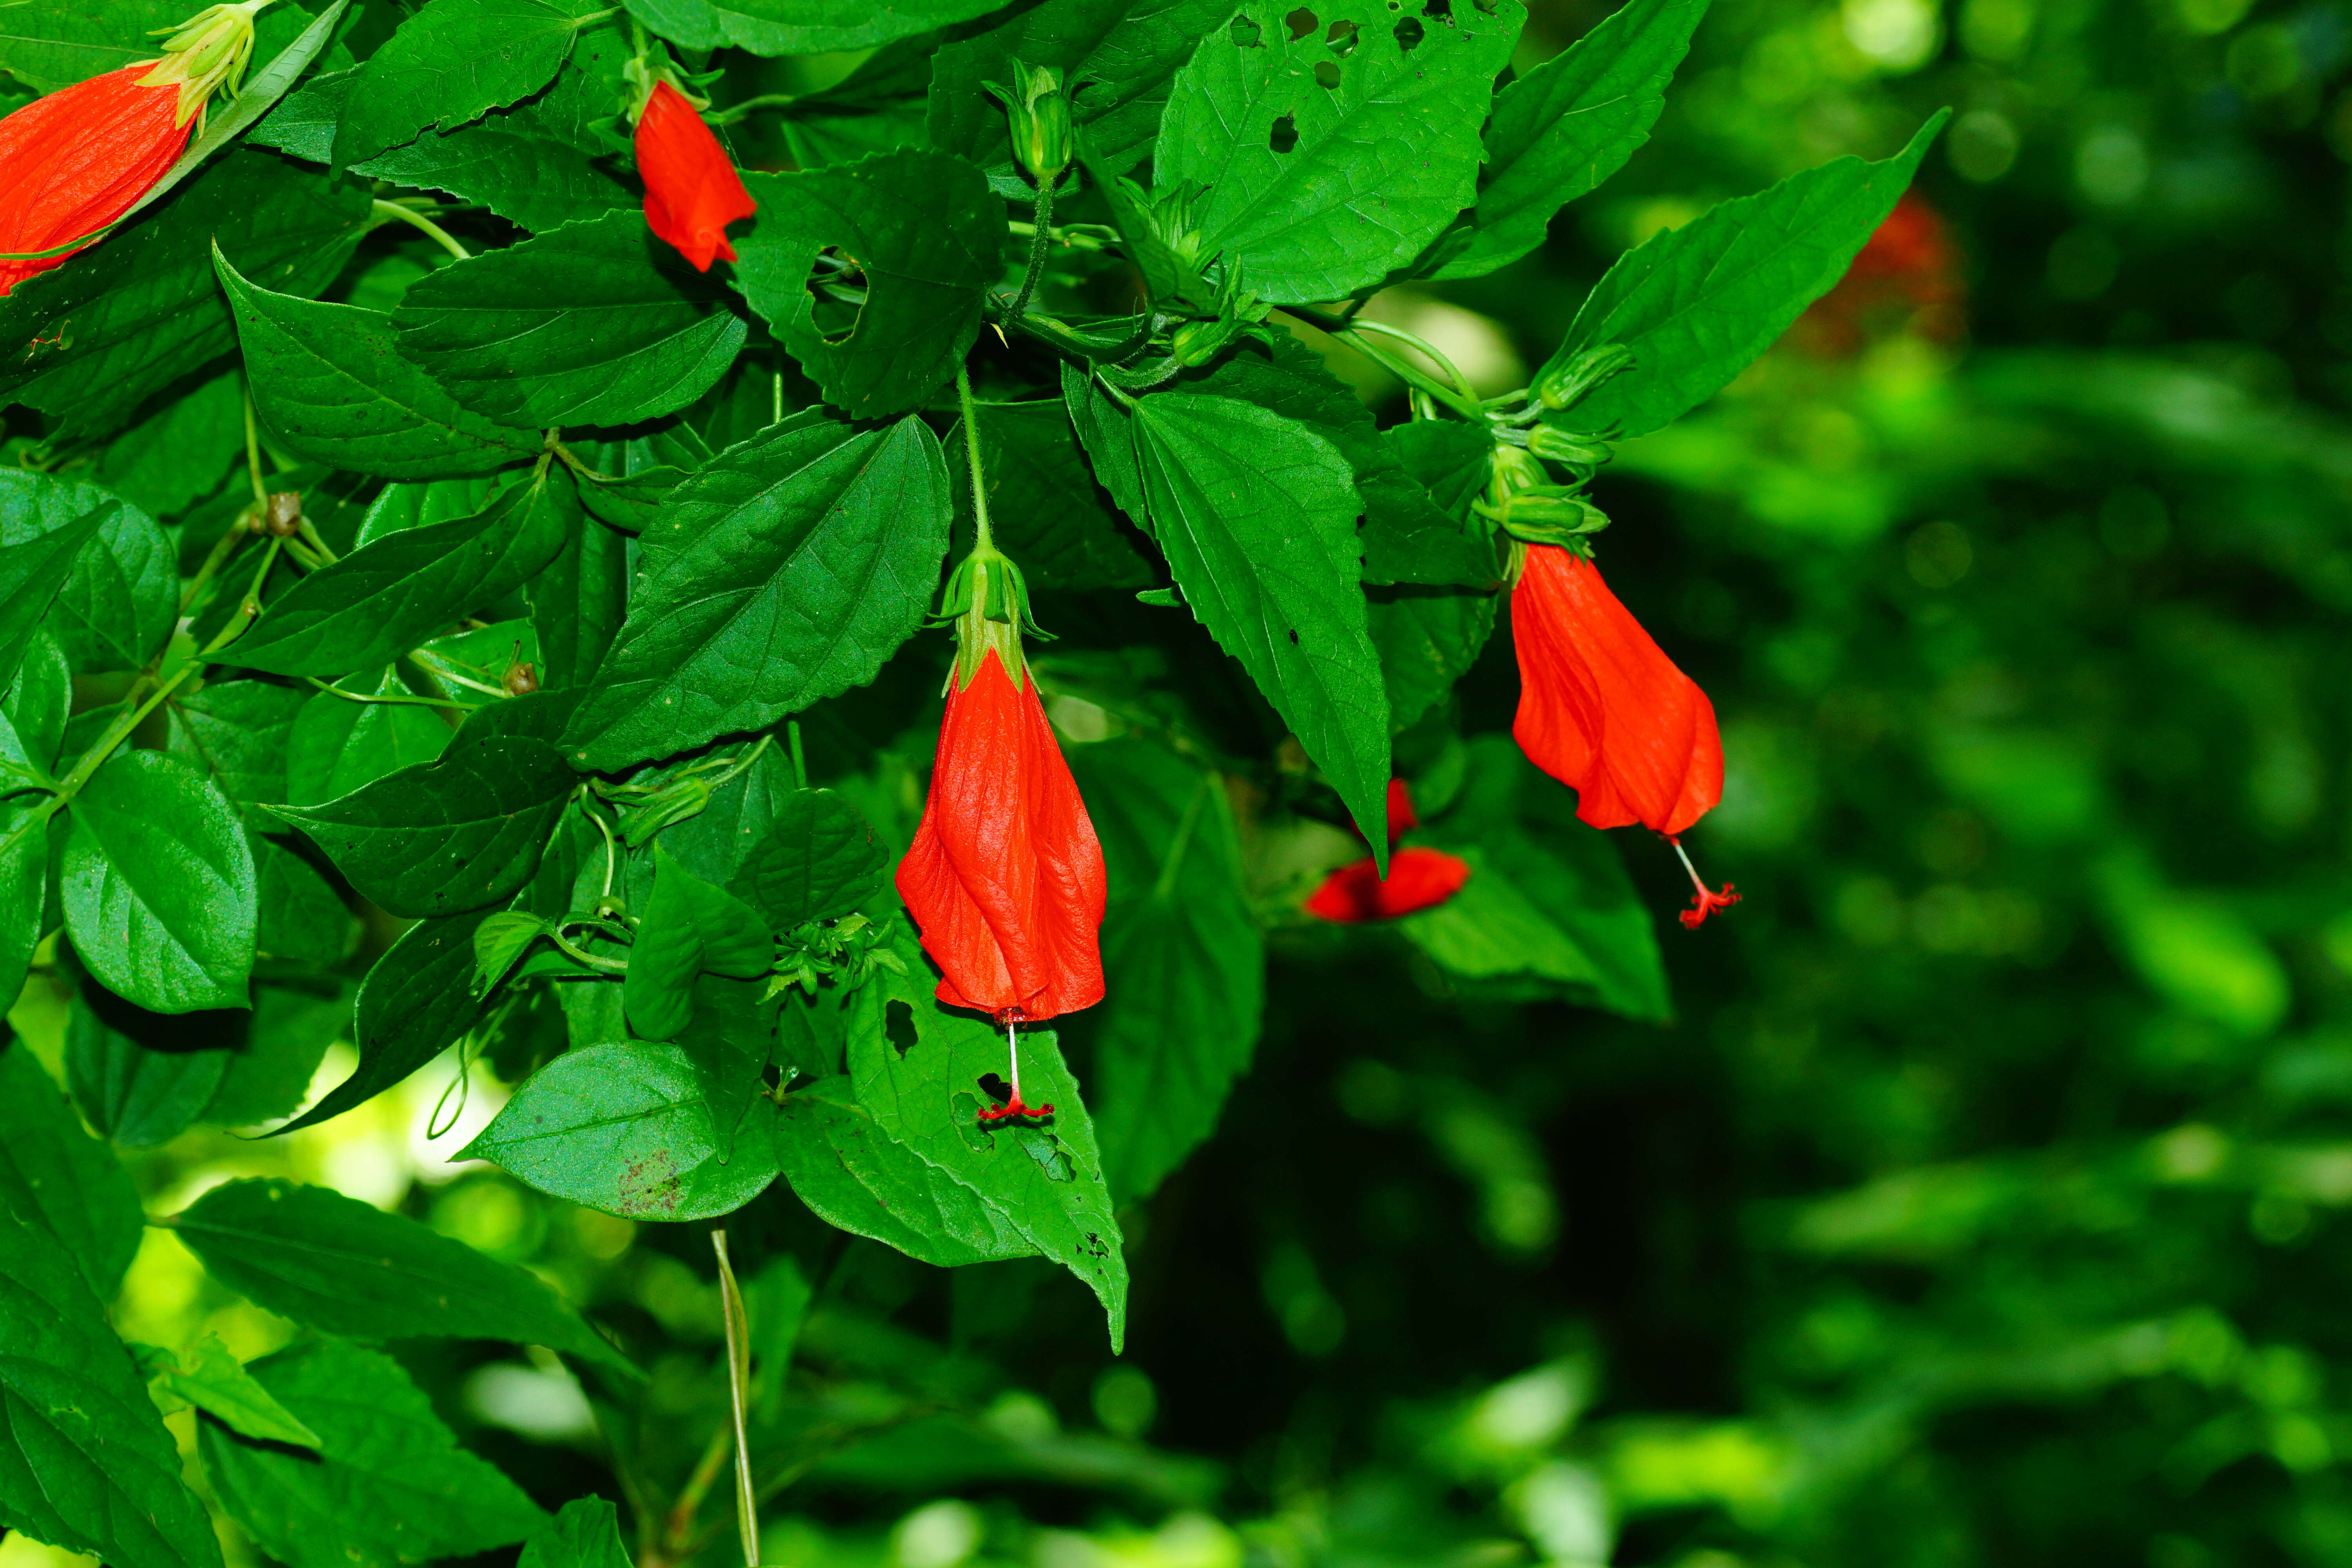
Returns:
point(800, 763)
point(1039, 240)
point(742, 111)
point(610, 965)
point(1078, 237)
point(417, 220)
point(253, 450)
point(983, 539)
point(441, 669)
point(739, 1374)
point(1352, 334)
point(412, 701)
point(1461, 383)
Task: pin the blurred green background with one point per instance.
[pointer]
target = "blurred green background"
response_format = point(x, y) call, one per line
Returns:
point(1983, 1204)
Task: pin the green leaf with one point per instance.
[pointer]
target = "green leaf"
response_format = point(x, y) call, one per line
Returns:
point(689, 927)
point(337, 746)
point(344, 1267)
point(411, 1006)
point(33, 568)
point(1043, 1185)
point(180, 452)
point(623, 1127)
point(24, 839)
point(60, 45)
point(819, 860)
point(159, 896)
point(458, 834)
point(1428, 639)
point(1407, 536)
point(579, 600)
point(499, 942)
point(596, 323)
point(928, 238)
point(269, 1076)
point(116, 605)
point(857, 1177)
point(729, 1041)
point(1697, 304)
point(1565, 127)
point(1108, 436)
point(388, 1486)
point(143, 309)
point(1182, 959)
point(1381, 162)
point(1256, 514)
point(238, 732)
point(331, 388)
point(876, 108)
point(1116, 59)
point(142, 1084)
point(304, 929)
point(56, 1177)
point(798, 26)
point(85, 1461)
point(39, 700)
point(1044, 505)
point(214, 1383)
point(387, 596)
point(714, 843)
point(452, 62)
point(1549, 910)
point(585, 1533)
point(784, 573)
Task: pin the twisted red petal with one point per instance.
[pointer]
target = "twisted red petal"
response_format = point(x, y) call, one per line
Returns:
point(692, 190)
point(74, 162)
point(1419, 879)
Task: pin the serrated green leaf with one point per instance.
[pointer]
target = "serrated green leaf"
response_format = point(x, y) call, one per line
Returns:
point(857, 1177)
point(1380, 162)
point(1428, 639)
point(927, 238)
point(344, 1267)
point(388, 1486)
point(1697, 304)
point(623, 1127)
point(579, 601)
point(237, 733)
point(1043, 1185)
point(159, 888)
point(1107, 435)
point(115, 606)
point(452, 62)
point(819, 860)
point(336, 746)
point(797, 27)
point(1256, 514)
point(414, 1002)
point(1044, 505)
point(85, 1461)
point(1565, 126)
point(784, 572)
point(56, 1177)
point(180, 452)
point(140, 1082)
point(56, 45)
point(595, 322)
point(689, 927)
point(1549, 910)
point(1182, 959)
point(331, 388)
point(585, 1533)
point(213, 1381)
point(1116, 60)
point(135, 314)
point(876, 108)
point(458, 834)
point(388, 596)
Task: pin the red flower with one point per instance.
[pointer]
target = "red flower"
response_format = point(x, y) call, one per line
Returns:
point(1601, 709)
point(74, 162)
point(1419, 879)
point(692, 192)
point(1005, 878)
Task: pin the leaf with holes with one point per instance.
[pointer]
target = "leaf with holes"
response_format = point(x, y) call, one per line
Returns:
point(904, 244)
point(1330, 158)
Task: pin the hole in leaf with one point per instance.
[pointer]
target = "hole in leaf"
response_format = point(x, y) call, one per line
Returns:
point(898, 1025)
point(1341, 38)
point(1245, 34)
point(1294, 634)
point(997, 1088)
point(1408, 34)
point(1301, 21)
point(1327, 76)
point(837, 286)
point(1439, 11)
point(1285, 134)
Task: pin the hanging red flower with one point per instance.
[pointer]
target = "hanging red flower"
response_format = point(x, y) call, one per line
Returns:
point(1419, 879)
point(1005, 878)
point(74, 162)
point(692, 190)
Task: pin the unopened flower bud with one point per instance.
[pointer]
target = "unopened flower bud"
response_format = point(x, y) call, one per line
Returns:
point(1040, 115)
point(1576, 451)
point(1566, 385)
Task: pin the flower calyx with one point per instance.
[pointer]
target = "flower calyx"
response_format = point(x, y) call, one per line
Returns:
point(1567, 384)
point(204, 53)
point(1522, 500)
point(645, 71)
point(1039, 113)
point(1238, 311)
point(987, 601)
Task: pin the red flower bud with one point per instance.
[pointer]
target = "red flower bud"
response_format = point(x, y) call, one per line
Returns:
point(1602, 708)
point(1005, 878)
point(1419, 879)
point(692, 192)
point(72, 162)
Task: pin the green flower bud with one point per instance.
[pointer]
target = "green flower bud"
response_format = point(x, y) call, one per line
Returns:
point(1584, 452)
point(1040, 115)
point(1566, 385)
